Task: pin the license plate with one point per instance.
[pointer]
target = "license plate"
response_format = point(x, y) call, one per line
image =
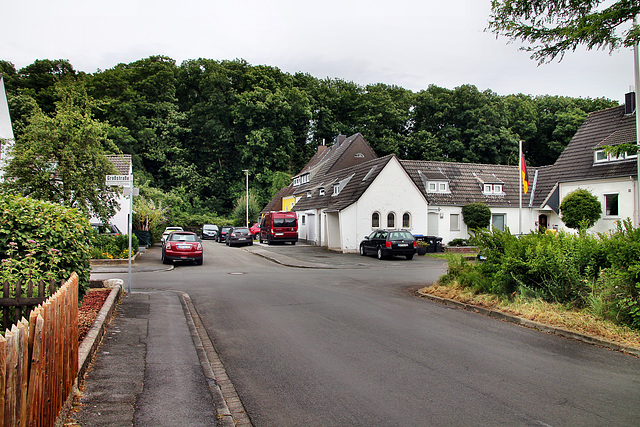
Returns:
point(403, 245)
point(279, 234)
point(242, 238)
point(184, 246)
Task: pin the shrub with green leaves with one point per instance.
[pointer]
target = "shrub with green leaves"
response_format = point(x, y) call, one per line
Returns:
point(56, 238)
point(476, 215)
point(113, 247)
point(580, 209)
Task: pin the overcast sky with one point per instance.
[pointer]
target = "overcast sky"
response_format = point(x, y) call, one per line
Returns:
point(409, 43)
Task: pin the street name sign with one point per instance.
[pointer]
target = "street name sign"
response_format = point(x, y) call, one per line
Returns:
point(121, 180)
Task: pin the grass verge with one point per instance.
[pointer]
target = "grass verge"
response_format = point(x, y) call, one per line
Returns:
point(555, 315)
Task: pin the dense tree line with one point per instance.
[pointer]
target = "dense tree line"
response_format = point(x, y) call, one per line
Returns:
point(192, 128)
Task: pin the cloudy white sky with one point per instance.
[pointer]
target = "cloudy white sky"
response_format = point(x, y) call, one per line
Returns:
point(410, 43)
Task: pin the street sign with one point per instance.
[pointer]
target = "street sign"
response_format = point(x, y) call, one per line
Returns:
point(121, 180)
point(127, 191)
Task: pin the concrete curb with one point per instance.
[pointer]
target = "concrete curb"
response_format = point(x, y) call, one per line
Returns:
point(589, 339)
point(90, 343)
point(229, 408)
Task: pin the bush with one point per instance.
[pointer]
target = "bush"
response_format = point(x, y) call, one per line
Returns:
point(476, 215)
point(458, 242)
point(580, 209)
point(113, 247)
point(55, 240)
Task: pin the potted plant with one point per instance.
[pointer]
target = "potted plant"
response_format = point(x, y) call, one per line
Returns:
point(421, 248)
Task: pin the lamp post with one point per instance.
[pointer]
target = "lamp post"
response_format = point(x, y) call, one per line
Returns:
point(246, 171)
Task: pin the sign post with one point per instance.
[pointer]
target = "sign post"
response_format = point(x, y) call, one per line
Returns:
point(126, 182)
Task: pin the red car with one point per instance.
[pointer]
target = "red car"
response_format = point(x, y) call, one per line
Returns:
point(255, 230)
point(182, 246)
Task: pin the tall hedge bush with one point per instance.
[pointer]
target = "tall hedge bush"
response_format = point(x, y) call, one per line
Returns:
point(56, 239)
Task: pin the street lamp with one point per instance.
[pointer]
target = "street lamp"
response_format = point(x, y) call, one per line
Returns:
point(246, 171)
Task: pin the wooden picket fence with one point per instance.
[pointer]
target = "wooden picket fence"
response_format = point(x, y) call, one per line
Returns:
point(39, 360)
point(19, 306)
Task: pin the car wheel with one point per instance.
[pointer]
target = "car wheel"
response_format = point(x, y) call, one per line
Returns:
point(260, 239)
point(410, 257)
point(380, 254)
point(293, 243)
point(268, 242)
point(165, 260)
point(251, 243)
point(362, 252)
point(199, 261)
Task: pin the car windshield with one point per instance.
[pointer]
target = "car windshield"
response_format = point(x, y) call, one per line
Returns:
point(179, 237)
point(241, 230)
point(400, 235)
point(208, 228)
point(284, 222)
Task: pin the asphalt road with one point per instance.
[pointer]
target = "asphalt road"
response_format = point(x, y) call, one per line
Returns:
point(351, 345)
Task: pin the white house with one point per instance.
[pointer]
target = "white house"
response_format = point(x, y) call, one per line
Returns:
point(6, 130)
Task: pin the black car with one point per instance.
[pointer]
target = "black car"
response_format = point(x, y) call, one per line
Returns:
point(222, 234)
point(387, 243)
point(239, 236)
point(209, 231)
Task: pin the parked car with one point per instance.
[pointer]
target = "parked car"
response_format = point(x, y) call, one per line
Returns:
point(182, 246)
point(388, 243)
point(222, 234)
point(255, 230)
point(109, 230)
point(239, 236)
point(279, 227)
point(209, 231)
point(168, 231)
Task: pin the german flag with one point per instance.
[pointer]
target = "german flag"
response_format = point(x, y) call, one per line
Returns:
point(525, 176)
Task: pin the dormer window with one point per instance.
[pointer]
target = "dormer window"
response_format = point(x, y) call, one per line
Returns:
point(336, 189)
point(600, 156)
point(496, 189)
point(302, 179)
point(308, 193)
point(321, 191)
point(438, 187)
point(359, 156)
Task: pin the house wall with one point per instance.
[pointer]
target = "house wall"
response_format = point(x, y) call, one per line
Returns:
point(391, 191)
point(625, 188)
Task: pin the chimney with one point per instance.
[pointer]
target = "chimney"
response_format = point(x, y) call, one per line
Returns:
point(340, 139)
point(629, 103)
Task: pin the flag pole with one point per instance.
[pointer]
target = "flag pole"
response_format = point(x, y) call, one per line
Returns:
point(520, 187)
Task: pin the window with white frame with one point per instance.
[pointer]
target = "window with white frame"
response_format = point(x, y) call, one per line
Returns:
point(611, 204)
point(336, 189)
point(321, 191)
point(454, 222)
point(493, 189)
point(406, 220)
point(309, 193)
point(488, 188)
point(438, 187)
point(375, 220)
point(600, 156)
point(497, 188)
point(391, 220)
point(498, 221)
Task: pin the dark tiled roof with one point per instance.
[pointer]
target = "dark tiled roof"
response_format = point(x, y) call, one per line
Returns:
point(122, 162)
point(604, 127)
point(466, 182)
point(354, 181)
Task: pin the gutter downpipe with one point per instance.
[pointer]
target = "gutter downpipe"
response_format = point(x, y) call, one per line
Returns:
point(636, 72)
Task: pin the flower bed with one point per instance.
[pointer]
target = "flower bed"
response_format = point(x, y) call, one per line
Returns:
point(88, 311)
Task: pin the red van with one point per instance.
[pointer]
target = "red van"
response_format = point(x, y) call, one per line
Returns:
point(279, 227)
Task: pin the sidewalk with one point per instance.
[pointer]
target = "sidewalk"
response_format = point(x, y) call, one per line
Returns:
point(147, 370)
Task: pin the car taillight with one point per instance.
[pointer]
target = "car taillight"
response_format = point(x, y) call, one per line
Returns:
point(233, 234)
point(199, 248)
point(167, 245)
point(388, 244)
point(415, 244)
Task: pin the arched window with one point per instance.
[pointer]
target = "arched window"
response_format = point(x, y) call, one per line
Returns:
point(391, 220)
point(406, 220)
point(375, 220)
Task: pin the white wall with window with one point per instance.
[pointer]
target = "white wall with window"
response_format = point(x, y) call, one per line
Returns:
point(616, 195)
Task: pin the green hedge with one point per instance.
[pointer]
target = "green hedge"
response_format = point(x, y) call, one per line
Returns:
point(43, 240)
